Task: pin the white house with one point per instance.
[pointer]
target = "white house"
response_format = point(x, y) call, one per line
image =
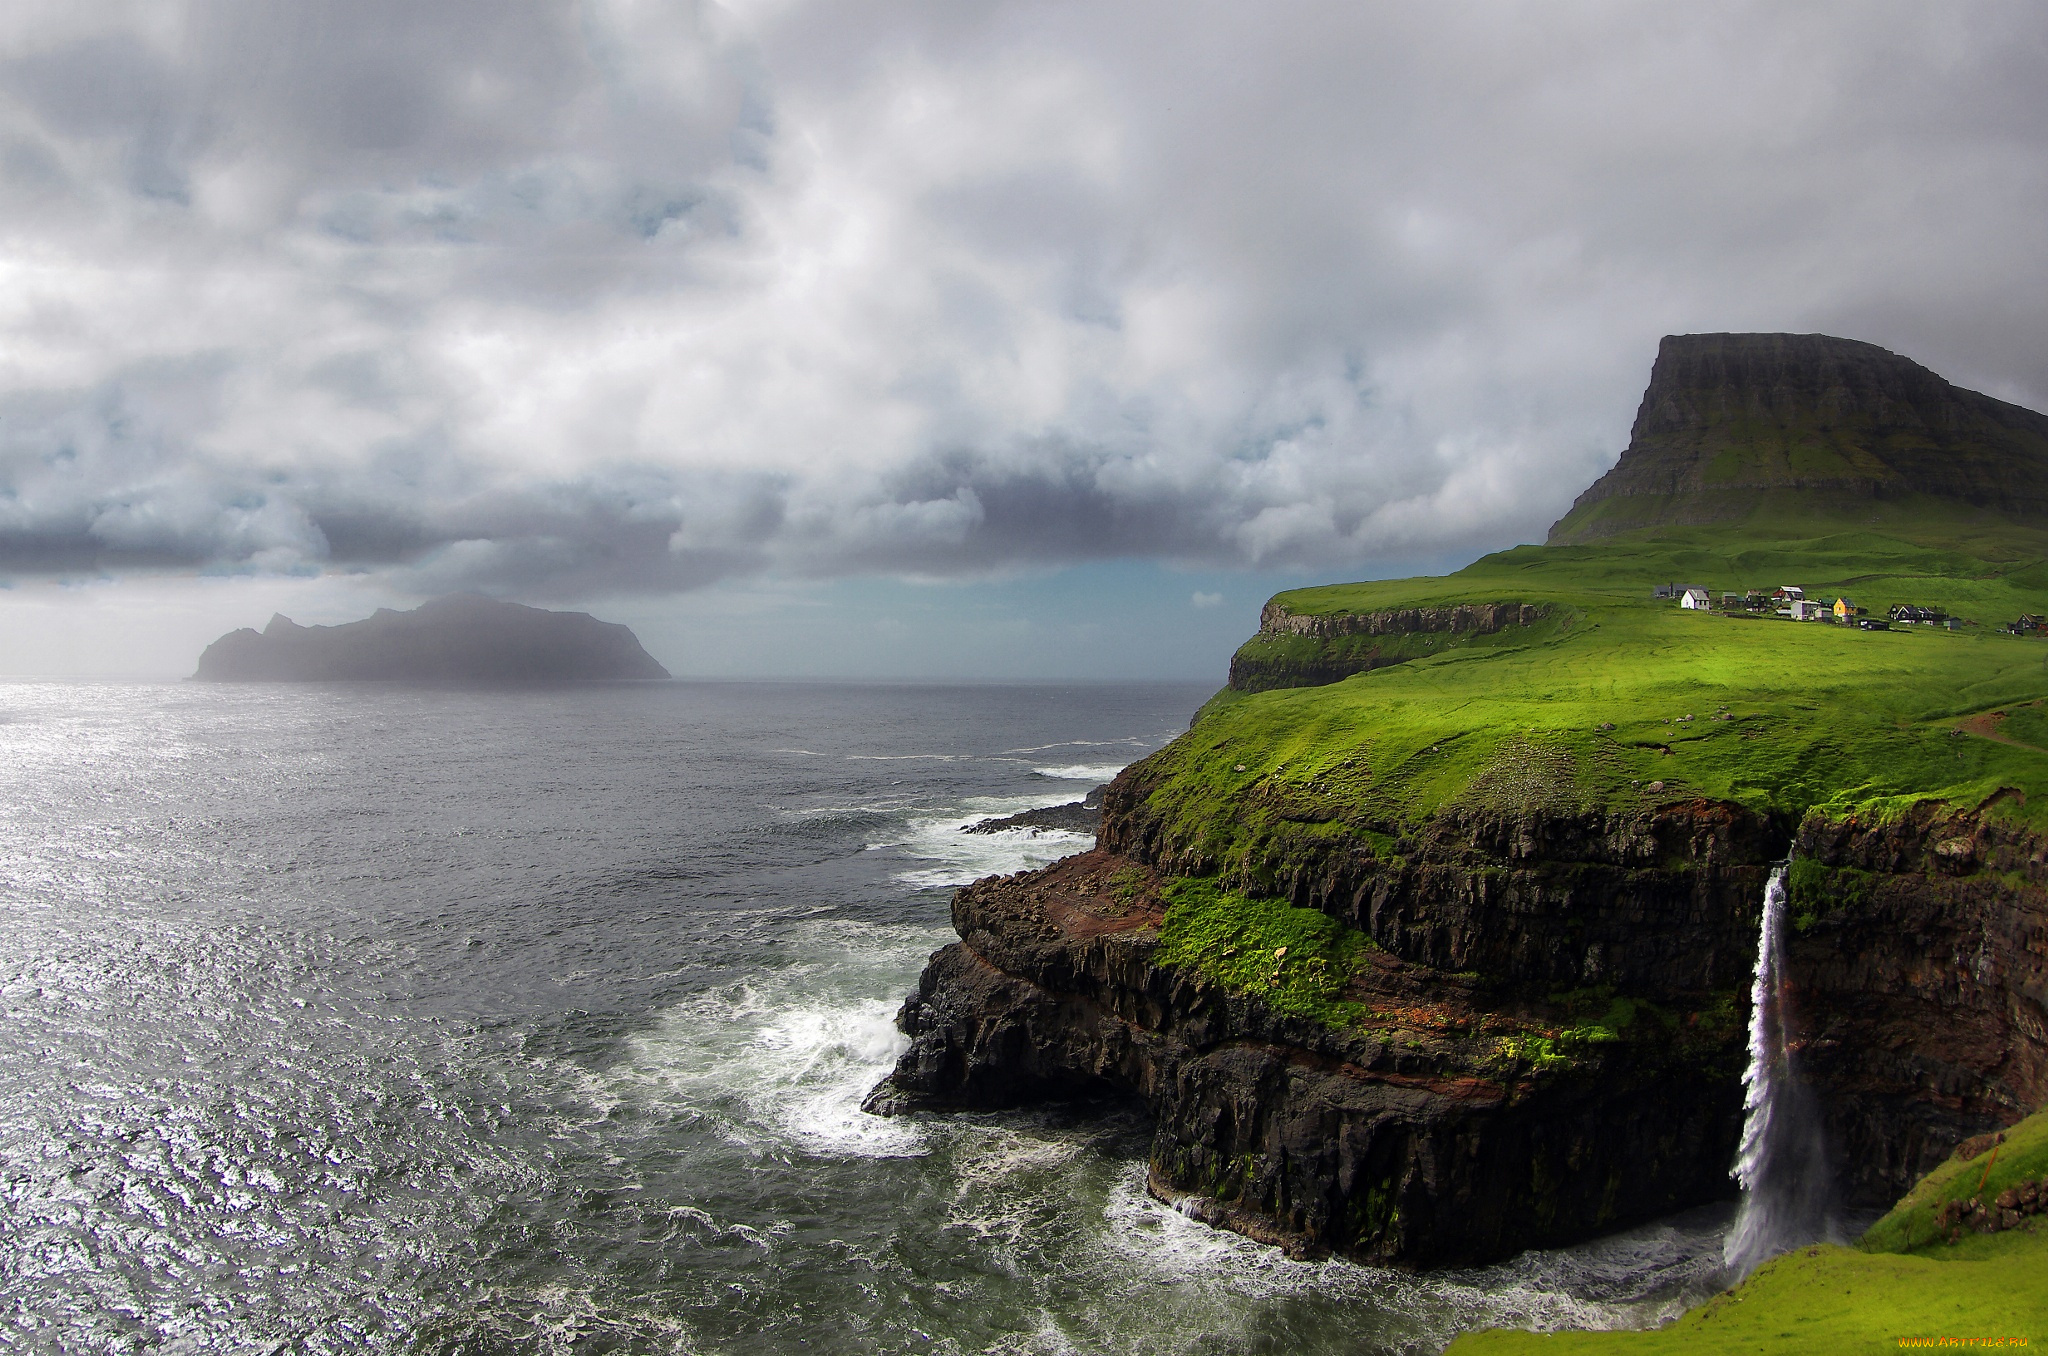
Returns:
point(1696, 600)
point(1803, 609)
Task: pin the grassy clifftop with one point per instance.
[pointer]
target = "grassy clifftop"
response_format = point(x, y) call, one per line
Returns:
point(1620, 703)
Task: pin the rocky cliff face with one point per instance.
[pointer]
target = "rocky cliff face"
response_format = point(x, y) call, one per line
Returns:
point(1467, 1116)
point(1261, 665)
point(1921, 960)
point(1420, 1139)
point(1734, 424)
point(1661, 903)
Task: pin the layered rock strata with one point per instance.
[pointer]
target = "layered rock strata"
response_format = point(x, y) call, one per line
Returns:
point(1734, 423)
point(1260, 666)
point(1459, 1120)
point(1920, 956)
point(1464, 1116)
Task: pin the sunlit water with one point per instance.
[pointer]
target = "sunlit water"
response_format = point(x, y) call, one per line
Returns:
point(464, 1021)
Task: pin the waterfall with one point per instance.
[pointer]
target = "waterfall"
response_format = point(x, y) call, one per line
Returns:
point(1782, 1165)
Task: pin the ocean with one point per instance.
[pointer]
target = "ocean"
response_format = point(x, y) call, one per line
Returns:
point(466, 1020)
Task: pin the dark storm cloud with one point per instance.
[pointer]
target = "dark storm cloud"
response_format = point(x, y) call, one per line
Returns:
point(566, 298)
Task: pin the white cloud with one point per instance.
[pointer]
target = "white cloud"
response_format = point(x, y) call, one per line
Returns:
point(560, 299)
point(1201, 599)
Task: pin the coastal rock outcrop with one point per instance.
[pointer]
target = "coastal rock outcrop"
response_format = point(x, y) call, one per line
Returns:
point(1445, 1129)
point(1076, 816)
point(461, 637)
point(1470, 1114)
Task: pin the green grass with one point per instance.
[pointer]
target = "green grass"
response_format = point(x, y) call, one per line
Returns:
point(1910, 1226)
point(1785, 717)
point(1297, 961)
point(1828, 1300)
point(1896, 1284)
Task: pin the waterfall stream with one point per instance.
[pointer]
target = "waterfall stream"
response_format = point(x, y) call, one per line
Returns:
point(1782, 1165)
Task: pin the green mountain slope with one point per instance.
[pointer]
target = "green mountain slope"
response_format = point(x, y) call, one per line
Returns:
point(1614, 700)
point(1753, 429)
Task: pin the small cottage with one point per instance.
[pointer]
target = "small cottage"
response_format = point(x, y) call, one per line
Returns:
point(1695, 600)
point(1845, 611)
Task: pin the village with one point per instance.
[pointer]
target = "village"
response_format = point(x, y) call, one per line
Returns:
point(1790, 601)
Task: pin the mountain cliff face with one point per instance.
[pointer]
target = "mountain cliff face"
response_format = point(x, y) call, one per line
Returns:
point(1732, 424)
point(458, 637)
point(1921, 959)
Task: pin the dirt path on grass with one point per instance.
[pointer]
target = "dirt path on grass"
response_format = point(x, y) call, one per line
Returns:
point(1985, 726)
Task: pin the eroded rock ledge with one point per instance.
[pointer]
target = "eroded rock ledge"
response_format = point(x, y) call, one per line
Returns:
point(1412, 1138)
point(1357, 642)
point(1480, 618)
point(1429, 1133)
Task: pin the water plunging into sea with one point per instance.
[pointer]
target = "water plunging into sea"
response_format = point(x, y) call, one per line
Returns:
point(1782, 1165)
point(445, 1020)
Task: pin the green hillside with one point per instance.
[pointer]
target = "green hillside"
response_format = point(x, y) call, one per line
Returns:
point(1586, 704)
point(1620, 702)
point(1740, 428)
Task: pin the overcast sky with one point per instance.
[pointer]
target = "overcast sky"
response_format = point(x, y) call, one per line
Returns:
point(954, 339)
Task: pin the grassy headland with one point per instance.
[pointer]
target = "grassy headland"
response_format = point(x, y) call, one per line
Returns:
point(1617, 702)
point(1757, 462)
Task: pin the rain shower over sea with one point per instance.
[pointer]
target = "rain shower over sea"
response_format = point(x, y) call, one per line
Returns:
point(470, 1020)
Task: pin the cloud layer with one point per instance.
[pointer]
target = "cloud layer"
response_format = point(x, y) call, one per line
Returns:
point(566, 299)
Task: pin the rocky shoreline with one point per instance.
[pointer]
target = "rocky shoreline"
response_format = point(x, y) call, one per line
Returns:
point(1412, 1142)
point(1077, 816)
point(1459, 1122)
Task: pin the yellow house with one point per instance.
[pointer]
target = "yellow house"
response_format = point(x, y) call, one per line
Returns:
point(1844, 610)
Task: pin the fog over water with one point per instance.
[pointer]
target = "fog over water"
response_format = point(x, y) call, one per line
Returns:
point(473, 1020)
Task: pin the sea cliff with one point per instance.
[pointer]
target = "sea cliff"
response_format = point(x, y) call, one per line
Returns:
point(1430, 939)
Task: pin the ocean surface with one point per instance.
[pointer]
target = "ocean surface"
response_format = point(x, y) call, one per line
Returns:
point(459, 1020)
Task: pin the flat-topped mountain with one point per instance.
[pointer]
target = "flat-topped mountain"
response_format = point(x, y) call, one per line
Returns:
point(462, 636)
point(1749, 427)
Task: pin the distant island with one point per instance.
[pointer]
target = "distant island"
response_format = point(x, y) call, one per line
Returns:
point(463, 636)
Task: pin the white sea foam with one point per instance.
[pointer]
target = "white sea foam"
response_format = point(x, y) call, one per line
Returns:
point(1081, 772)
point(789, 1054)
point(906, 758)
point(1638, 1278)
point(1128, 742)
point(957, 857)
